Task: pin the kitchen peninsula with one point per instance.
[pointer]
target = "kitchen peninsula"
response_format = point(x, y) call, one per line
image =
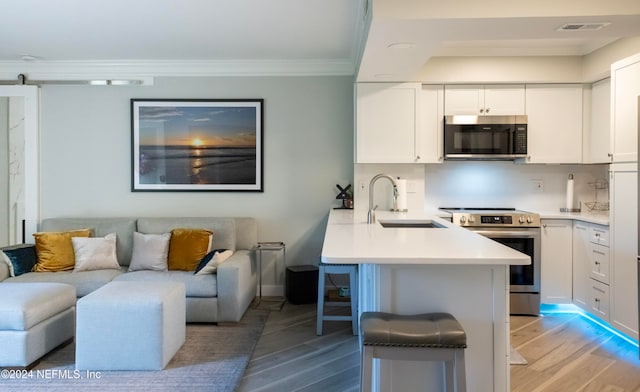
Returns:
point(418, 269)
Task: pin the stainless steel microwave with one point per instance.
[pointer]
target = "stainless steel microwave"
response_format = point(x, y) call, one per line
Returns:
point(485, 137)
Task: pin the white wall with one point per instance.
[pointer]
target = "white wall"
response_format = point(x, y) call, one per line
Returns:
point(308, 149)
point(482, 184)
point(597, 65)
point(530, 69)
point(4, 171)
point(505, 184)
point(514, 69)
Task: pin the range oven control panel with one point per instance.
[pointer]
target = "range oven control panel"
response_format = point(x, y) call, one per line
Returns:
point(489, 219)
point(496, 219)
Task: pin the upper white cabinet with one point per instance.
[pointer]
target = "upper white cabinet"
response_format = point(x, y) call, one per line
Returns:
point(625, 90)
point(484, 99)
point(399, 123)
point(556, 261)
point(554, 123)
point(429, 143)
point(387, 119)
point(596, 135)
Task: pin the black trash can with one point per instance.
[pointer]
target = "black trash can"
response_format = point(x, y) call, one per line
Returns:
point(302, 284)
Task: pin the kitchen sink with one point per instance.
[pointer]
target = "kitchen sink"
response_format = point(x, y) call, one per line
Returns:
point(408, 223)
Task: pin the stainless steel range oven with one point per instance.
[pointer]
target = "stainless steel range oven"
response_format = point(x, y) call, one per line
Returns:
point(518, 230)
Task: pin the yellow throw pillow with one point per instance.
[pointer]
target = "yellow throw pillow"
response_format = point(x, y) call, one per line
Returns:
point(187, 247)
point(54, 250)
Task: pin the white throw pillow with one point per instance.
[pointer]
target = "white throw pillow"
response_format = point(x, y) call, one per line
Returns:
point(95, 253)
point(150, 252)
point(212, 266)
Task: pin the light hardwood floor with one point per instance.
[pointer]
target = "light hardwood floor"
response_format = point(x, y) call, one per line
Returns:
point(565, 352)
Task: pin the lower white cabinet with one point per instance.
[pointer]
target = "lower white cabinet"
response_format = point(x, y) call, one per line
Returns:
point(599, 300)
point(624, 248)
point(556, 280)
point(581, 250)
point(591, 269)
point(599, 263)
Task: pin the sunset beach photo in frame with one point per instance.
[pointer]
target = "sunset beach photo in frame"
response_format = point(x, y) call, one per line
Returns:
point(197, 144)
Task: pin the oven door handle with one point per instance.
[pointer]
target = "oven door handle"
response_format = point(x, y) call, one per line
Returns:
point(508, 234)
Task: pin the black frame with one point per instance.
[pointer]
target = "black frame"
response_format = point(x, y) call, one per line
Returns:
point(197, 145)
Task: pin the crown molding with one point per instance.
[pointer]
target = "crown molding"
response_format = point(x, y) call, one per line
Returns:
point(143, 70)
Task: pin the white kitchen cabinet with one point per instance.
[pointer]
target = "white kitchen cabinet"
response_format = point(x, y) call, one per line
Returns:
point(624, 248)
point(599, 300)
point(556, 268)
point(591, 269)
point(484, 99)
point(625, 89)
point(429, 143)
point(599, 267)
point(554, 123)
point(387, 119)
point(581, 253)
point(596, 134)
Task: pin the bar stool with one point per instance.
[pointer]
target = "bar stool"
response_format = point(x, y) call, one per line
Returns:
point(352, 270)
point(421, 337)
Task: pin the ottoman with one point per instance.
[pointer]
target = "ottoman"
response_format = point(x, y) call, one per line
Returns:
point(35, 318)
point(130, 326)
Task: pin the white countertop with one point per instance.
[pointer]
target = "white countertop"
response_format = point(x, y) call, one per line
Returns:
point(597, 217)
point(350, 240)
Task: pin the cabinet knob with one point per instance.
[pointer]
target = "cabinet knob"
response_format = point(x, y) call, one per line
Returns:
point(417, 157)
point(481, 110)
point(544, 225)
point(487, 110)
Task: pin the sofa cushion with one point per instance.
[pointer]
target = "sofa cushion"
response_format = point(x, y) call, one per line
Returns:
point(187, 247)
point(224, 229)
point(209, 263)
point(84, 282)
point(54, 250)
point(95, 253)
point(196, 285)
point(150, 252)
point(26, 305)
point(19, 258)
point(123, 227)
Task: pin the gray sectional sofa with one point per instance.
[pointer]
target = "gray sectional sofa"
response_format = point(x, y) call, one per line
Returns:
point(220, 297)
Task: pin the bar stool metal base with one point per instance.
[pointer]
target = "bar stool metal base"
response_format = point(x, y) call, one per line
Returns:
point(350, 269)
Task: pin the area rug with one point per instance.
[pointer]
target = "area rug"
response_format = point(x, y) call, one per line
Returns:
point(515, 358)
point(213, 358)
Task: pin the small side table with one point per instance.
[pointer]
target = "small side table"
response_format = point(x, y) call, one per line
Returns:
point(269, 246)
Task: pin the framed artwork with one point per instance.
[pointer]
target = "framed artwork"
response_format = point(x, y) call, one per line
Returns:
point(197, 145)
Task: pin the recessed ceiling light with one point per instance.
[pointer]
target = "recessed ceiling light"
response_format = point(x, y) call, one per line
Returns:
point(402, 45)
point(28, 57)
point(583, 26)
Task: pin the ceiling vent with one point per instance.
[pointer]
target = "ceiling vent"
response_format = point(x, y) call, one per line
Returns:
point(582, 26)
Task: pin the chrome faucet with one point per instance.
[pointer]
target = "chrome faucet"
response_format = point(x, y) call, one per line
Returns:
point(371, 215)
